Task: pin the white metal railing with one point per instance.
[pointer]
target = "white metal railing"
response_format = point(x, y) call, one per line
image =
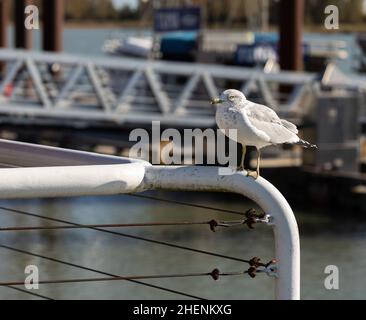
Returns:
point(131, 176)
point(126, 90)
point(120, 90)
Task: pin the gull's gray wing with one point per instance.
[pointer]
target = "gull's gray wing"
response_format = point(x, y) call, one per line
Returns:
point(290, 126)
point(266, 120)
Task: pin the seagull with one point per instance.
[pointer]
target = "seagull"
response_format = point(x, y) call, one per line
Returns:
point(255, 124)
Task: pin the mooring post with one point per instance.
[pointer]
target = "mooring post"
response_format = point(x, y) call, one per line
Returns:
point(291, 20)
point(4, 21)
point(52, 25)
point(23, 37)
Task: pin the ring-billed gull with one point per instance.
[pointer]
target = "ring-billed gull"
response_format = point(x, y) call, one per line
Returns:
point(256, 124)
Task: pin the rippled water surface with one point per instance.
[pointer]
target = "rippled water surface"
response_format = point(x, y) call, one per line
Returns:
point(324, 241)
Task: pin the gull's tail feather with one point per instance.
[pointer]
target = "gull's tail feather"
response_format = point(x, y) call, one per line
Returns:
point(306, 144)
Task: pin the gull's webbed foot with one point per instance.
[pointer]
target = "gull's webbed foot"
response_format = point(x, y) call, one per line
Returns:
point(253, 174)
point(240, 168)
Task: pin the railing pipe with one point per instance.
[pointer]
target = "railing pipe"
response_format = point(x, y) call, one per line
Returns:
point(68, 181)
point(64, 181)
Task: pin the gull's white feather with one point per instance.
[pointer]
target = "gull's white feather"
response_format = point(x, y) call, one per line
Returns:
point(256, 124)
point(265, 119)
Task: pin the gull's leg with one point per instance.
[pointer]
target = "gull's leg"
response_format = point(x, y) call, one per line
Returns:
point(244, 150)
point(255, 174)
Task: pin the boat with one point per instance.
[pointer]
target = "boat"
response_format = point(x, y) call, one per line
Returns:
point(134, 46)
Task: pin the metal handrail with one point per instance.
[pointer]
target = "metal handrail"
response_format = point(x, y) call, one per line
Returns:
point(105, 89)
point(137, 176)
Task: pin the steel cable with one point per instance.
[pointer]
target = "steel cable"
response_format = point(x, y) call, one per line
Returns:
point(215, 273)
point(97, 271)
point(212, 223)
point(28, 292)
point(72, 225)
point(130, 236)
point(200, 206)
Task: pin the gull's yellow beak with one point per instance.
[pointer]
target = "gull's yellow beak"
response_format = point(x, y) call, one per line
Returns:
point(216, 101)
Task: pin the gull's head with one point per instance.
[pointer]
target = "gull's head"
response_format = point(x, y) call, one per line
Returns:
point(231, 96)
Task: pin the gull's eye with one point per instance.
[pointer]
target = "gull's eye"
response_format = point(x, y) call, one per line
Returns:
point(231, 98)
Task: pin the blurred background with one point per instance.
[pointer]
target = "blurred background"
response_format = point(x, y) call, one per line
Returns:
point(91, 71)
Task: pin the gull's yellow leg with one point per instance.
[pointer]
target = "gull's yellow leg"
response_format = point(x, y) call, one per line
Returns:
point(244, 150)
point(255, 174)
point(258, 161)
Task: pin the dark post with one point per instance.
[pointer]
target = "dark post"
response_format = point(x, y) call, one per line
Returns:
point(291, 20)
point(4, 14)
point(23, 37)
point(291, 57)
point(53, 11)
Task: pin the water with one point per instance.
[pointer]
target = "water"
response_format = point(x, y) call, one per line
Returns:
point(325, 240)
point(82, 40)
point(90, 41)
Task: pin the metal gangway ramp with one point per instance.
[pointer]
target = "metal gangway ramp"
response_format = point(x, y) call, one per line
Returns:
point(45, 87)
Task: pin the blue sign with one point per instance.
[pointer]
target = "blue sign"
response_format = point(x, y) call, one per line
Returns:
point(257, 53)
point(177, 19)
point(261, 52)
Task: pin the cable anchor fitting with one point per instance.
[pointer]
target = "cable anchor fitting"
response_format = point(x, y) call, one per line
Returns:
point(271, 269)
point(215, 274)
point(256, 266)
point(252, 217)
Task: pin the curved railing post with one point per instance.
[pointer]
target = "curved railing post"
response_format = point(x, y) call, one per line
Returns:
point(287, 244)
